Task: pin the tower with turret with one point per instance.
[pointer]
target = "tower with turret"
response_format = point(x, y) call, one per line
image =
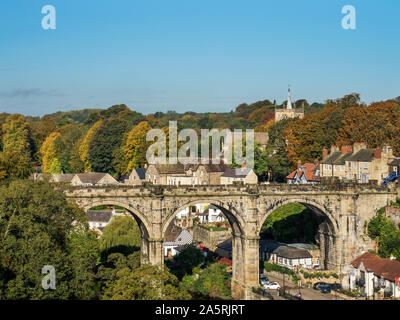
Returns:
point(289, 111)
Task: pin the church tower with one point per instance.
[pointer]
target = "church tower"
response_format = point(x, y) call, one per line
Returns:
point(289, 112)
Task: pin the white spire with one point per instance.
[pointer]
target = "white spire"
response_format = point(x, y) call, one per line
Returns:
point(289, 101)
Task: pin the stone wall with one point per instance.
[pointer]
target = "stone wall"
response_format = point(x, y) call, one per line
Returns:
point(210, 239)
point(393, 214)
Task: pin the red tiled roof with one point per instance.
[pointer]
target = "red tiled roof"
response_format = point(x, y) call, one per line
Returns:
point(390, 269)
point(309, 172)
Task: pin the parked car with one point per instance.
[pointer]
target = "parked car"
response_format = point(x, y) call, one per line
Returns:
point(325, 289)
point(272, 286)
point(298, 296)
point(263, 279)
point(335, 286)
point(318, 285)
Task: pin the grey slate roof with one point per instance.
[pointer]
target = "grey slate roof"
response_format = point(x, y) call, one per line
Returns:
point(141, 172)
point(291, 252)
point(341, 160)
point(395, 162)
point(364, 155)
point(66, 177)
point(236, 173)
point(331, 158)
point(226, 245)
point(99, 216)
point(91, 177)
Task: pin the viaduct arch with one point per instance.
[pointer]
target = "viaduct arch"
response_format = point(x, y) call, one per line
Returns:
point(342, 234)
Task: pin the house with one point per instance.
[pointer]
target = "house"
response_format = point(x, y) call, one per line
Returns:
point(98, 219)
point(205, 174)
point(245, 175)
point(307, 173)
point(137, 177)
point(175, 237)
point(291, 257)
point(93, 179)
point(374, 274)
point(167, 174)
point(62, 178)
point(357, 163)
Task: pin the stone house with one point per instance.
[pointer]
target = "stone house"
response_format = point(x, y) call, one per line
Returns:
point(167, 174)
point(307, 173)
point(137, 177)
point(93, 179)
point(245, 175)
point(357, 163)
point(62, 178)
point(373, 274)
point(205, 174)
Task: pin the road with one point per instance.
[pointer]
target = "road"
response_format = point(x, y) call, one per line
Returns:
point(306, 293)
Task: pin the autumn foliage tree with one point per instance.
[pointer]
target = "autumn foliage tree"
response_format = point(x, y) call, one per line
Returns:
point(16, 155)
point(136, 146)
point(375, 125)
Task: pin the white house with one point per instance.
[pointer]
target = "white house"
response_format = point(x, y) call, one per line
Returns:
point(175, 237)
point(372, 274)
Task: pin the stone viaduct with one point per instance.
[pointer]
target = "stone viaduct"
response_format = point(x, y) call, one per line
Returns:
point(342, 213)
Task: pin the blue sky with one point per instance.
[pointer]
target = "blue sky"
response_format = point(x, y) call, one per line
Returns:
point(192, 55)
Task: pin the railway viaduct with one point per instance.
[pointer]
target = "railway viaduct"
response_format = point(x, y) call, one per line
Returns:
point(342, 213)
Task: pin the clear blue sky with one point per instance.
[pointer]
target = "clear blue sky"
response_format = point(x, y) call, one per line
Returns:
point(197, 55)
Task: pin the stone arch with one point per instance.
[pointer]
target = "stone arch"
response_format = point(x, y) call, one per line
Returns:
point(310, 204)
point(328, 229)
point(138, 216)
point(235, 220)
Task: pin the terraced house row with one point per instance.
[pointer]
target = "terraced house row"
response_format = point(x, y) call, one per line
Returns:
point(360, 164)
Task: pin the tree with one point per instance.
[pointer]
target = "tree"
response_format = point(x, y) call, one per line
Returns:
point(145, 283)
point(136, 146)
point(376, 125)
point(306, 137)
point(212, 282)
point(106, 139)
point(49, 152)
point(38, 227)
point(122, 235)
point(84, 146)
point(16, 155)
point(184, 263)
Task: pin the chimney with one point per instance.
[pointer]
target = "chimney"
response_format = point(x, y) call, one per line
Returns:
point(358, 146)
point(324, 153)
point(377, 153)
point(334, 149)
point(346, 149)
point(243, 165)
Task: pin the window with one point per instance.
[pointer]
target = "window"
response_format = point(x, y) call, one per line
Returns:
point(366, 165)
point(329, 167)
point(355, 165)
point(341, 168)
point(324, 166)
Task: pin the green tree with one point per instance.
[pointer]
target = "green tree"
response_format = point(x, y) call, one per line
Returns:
point(145, 283)
point(122, 235)
point(38, 227)
point(104, 142)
